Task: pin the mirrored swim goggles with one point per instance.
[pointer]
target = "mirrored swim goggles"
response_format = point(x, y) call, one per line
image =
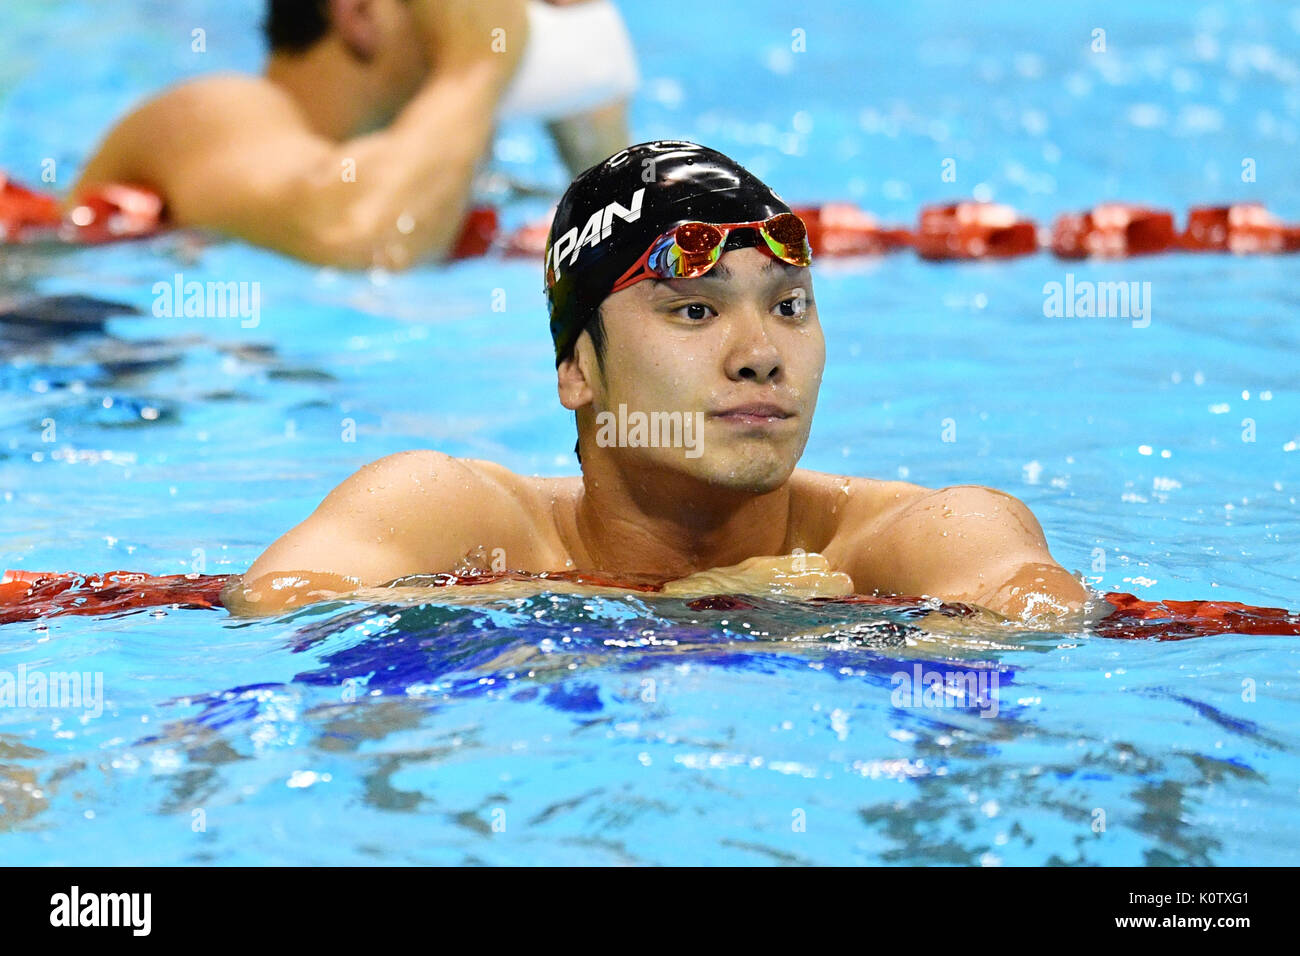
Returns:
point(693, 248)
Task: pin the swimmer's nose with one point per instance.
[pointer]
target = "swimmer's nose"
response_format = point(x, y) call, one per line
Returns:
point(761, 372)
point(754, 357)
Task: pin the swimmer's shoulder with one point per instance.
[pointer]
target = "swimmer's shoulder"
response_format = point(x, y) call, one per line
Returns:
point(491, 503)
point(850, 502)
point(478, 480)
point(216, 97)
point(420, 475)
point(879, 506)
point(854, 523)
point(197, 114)
point(539, 504)
point(539, 508)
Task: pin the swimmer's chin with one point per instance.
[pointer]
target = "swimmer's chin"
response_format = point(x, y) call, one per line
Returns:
point(752, 477)
point(279, 591)
point(754, 465)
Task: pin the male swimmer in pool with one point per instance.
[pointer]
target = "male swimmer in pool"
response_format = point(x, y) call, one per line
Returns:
point(359, 144)
point(717, 323)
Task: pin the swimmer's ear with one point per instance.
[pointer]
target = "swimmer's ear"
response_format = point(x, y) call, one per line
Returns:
point(573, 381)
point(354, 20)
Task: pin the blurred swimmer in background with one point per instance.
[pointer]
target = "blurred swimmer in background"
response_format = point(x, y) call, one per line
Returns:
point(359, 143)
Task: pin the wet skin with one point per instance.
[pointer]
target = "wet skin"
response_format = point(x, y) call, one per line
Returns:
point(743, 346)
point(359, 151)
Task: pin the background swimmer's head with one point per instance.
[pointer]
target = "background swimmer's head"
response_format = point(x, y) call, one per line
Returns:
point(744, 333)
point(383, 35)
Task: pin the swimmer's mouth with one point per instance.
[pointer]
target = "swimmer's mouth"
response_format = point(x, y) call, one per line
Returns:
point(754, 414)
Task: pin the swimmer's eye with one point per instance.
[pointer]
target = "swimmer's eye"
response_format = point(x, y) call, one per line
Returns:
point(695, 311)
point(793, 307)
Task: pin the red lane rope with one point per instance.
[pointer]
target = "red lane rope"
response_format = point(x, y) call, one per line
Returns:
point(30, 596)
point(122, 211)
point(105, 214)
point(957, 230)
point(1178, 620)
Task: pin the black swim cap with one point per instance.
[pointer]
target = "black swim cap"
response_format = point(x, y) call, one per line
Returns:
point(611, 213)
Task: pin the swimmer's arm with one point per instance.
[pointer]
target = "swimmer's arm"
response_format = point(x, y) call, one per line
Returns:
point(273, 592)
point(233, 154)
point(974, 545)
point(410, 513)
point(585, 139)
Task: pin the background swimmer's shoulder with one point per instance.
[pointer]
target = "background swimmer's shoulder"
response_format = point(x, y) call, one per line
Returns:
point(216, 97)
point(155, 142)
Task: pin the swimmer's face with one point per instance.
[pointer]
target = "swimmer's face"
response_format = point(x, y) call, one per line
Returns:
point(741, 344)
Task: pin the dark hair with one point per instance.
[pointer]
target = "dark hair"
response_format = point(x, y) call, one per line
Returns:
point(596, 329)
point(295, 26)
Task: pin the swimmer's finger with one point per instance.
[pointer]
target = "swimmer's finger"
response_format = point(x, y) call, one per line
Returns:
point(817, 584)
point(796, 563)
point(808, 561)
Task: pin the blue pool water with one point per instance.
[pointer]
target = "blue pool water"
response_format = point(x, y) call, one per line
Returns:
point(639, 730)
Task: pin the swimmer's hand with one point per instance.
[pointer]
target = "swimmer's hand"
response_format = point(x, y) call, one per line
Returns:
point(1037, 611)
point(791, 575)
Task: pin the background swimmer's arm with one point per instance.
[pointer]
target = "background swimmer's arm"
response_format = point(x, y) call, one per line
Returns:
point(588, 138)
point(235, 154)
point(972, 545)
point(412, 513)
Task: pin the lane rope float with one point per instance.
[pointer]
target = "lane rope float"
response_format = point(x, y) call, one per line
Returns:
point(960, 230)
point(31, 596)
